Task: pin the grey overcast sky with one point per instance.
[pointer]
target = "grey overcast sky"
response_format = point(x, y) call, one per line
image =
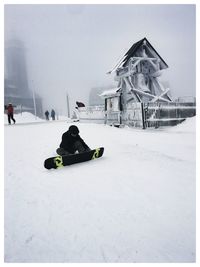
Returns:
point(70, 48)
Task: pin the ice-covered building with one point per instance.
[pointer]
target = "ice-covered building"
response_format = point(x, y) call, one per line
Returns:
point(137, 73)
point(140, 99)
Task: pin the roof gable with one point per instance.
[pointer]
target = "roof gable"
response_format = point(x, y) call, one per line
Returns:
point(135, 50)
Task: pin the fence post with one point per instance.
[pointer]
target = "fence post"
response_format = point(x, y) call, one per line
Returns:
point(143, 116)
point(105, 111)
point(157, 123)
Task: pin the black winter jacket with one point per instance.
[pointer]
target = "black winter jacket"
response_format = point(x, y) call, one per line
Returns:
point(68, 142)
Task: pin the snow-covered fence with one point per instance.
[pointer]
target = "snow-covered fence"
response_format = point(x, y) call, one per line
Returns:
point(91, 114)
point(133, 116)
point(142, 115)
point(167, 114)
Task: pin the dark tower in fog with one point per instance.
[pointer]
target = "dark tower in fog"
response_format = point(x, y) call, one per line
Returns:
point(16, 87)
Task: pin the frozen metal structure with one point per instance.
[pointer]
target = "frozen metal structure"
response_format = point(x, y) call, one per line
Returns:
point(137, 73)
point(140, 99)
point(140, 95)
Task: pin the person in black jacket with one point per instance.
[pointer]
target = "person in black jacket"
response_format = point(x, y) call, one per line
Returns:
point(47, 115)
point(72, 142)
point(53, 114)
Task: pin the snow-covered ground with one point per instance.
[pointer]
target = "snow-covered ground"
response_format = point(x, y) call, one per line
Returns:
point(135, 204)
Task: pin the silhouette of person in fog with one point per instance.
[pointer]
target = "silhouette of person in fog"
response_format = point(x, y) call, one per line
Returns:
point(53, 114)
point(47, 115)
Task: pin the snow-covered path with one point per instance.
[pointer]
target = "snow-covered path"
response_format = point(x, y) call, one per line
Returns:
point(135, 204)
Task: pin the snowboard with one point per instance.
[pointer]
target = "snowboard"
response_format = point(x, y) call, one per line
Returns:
point(61, 161)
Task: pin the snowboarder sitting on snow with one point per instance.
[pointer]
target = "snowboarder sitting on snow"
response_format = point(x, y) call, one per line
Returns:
point(72, 142)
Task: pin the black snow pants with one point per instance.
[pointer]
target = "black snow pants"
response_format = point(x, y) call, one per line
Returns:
point(10, 117)
point(76, 147)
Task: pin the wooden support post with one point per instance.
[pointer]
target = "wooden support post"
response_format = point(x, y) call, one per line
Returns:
point(105, 112)
point(143, 116)
point(149, 95)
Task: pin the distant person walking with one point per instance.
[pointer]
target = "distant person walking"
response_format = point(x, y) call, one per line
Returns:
point(47, 115)
point(10, 112)
point(53, 114)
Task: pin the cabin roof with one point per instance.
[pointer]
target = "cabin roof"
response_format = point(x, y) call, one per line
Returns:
point(132, 51)
point(111, 92)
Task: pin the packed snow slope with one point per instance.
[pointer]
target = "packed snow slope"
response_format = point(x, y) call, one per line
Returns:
point(135, 204)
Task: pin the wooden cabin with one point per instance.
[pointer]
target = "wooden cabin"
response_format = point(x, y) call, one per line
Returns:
point(137, 74)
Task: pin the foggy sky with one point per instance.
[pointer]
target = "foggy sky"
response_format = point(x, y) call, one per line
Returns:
point(69, 48)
